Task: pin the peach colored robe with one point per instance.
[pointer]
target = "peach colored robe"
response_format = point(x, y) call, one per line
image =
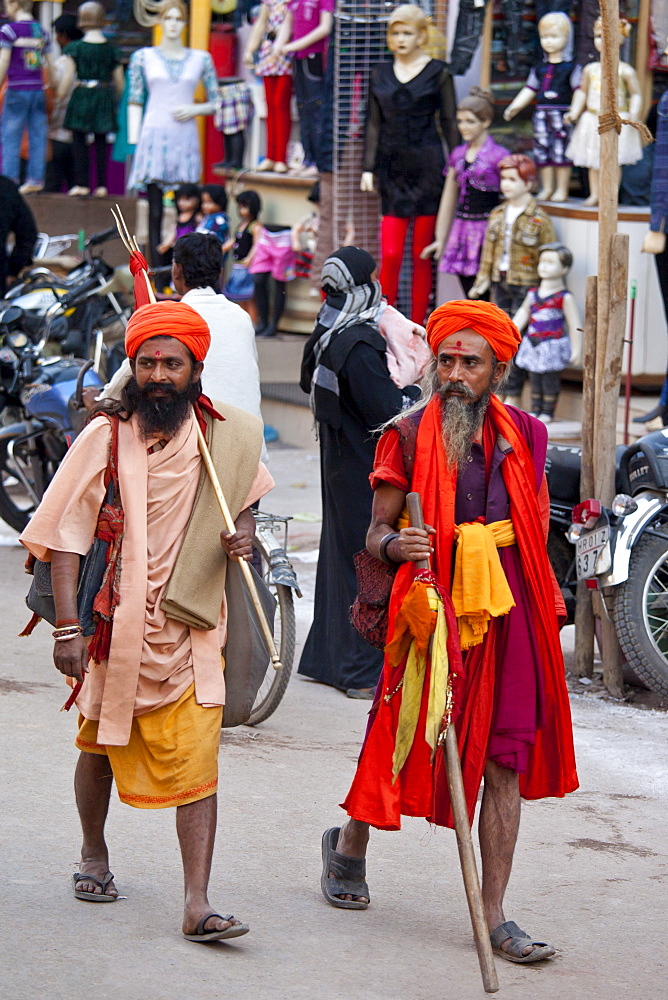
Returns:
point(153, 659)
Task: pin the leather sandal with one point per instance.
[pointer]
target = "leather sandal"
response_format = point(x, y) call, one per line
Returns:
point(349, 874)
point(519, 940)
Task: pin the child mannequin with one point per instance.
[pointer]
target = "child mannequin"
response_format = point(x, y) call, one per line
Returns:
point(550, 84)
point(304, 34)
point(584, 149)
point(472, 190)
point(24, 48)
point(214, 219)
point(514, 232)
point(240, 286)
point(95, 62)
point(552, 341)
point(188, 214)
point(274, 68)
point(405, 150)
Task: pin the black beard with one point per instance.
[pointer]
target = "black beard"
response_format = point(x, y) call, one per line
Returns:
point(461, 421)
point(160, 416)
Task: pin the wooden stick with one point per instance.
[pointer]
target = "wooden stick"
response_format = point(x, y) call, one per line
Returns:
point(460, 812)
point(245, 568)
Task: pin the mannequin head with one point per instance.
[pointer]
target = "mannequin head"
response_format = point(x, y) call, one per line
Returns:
point(407, 29)
point(554, 261)
point(475, 114)
point(65, 29)
point(214, 199)
point(90, 16)
point(12, 6)
point(555, 32)
point(173, 17)
point(517, 175)
point(249, 204)
point(624, 32)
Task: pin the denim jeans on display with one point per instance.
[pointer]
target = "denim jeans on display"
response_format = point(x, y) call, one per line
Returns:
point(308, 83)
point(24, 109)
point(467, 36)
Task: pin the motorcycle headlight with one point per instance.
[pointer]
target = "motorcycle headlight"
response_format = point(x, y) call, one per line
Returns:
point(623, 504)
point(574, 533)
point(8, 367)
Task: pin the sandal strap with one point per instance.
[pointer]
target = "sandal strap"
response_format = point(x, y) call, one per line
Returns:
point(347, 868)
point(519, 939)
point(200, 926)
point(103, 883)
point(344, 887)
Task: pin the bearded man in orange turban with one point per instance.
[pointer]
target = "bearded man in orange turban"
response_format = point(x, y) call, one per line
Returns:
point(149, 680)
point(479, 469)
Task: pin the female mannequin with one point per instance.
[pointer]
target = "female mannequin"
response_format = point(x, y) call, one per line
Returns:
point(584, 149)
point(404, 149)
point(472, 189)
point(274, 68)
point(96, 64)
point(550, 84)
point(168, 151)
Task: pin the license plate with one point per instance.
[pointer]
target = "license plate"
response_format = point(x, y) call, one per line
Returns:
point(592, 553)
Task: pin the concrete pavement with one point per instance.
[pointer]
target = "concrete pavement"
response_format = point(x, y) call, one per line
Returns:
point(589, 876)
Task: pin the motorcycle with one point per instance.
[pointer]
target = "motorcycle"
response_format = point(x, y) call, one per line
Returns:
point(97, 314)
point(621, 551)
point(41, 411)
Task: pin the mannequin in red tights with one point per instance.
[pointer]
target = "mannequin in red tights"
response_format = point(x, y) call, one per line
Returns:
point(404, 150)
point(274, 67)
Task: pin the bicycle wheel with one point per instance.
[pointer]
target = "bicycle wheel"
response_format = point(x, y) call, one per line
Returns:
point(275, 682)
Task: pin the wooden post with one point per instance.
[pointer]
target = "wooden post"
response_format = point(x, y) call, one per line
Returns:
point(584, 614)
point(610, 311)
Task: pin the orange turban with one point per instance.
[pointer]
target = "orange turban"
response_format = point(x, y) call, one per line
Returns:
point(485, 318)
point(168, 319)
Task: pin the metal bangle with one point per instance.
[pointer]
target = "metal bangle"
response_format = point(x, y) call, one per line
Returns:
point(382, 548)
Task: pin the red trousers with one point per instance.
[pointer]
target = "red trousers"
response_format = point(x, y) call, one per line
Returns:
point(392, 240)
point(278, 90)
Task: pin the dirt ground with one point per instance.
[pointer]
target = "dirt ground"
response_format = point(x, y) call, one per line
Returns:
point(590, 872)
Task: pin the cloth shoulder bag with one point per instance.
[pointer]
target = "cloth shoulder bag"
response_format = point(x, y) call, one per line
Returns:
point(246, 657)
point(93, 565)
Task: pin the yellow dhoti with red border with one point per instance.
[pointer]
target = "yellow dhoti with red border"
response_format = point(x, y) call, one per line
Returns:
point(171, 758)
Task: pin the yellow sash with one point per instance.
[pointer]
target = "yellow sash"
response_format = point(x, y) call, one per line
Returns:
point(480, 590)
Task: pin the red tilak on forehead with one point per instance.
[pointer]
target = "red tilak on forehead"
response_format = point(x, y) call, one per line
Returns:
point(158, 354)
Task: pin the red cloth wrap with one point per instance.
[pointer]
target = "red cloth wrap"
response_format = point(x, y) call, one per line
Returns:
point(484, 317)
point(139, 271)
point(168, 319)
point(421, 788)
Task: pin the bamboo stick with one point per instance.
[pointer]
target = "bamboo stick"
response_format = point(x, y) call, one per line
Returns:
point(245, 568)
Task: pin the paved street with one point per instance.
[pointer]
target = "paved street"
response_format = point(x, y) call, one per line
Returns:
point(590, 876)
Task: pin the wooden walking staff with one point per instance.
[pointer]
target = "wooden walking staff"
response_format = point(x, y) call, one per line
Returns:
point(460, 812)
point(132, 247)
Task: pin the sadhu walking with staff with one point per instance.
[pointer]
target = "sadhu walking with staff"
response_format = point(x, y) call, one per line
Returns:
point(150, 706)
point(478, 467)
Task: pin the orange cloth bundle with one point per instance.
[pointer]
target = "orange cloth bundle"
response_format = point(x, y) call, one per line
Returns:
point(168, 319)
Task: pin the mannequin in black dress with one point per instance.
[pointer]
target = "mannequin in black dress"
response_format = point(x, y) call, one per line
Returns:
point(404, 150)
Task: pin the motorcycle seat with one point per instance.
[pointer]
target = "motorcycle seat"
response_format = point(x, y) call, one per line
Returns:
point(562, 469)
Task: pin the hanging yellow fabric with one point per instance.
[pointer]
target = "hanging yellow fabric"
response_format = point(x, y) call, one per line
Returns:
point(480, 590)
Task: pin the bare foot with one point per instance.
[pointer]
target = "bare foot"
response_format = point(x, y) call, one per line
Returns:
point(559, 196)
point(544, 194)
point(591, 201)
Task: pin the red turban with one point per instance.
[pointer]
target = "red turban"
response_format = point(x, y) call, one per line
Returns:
point(485, 318)
point(168, 319)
